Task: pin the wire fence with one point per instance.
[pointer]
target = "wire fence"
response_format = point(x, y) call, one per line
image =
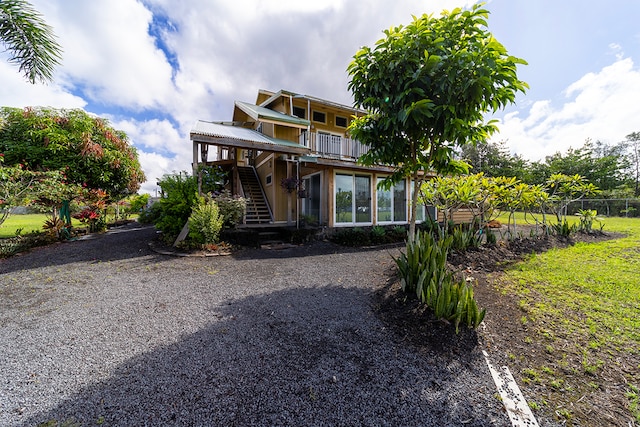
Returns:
point(608, 207)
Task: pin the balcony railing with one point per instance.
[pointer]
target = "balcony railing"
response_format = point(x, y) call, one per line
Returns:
point(333, 146)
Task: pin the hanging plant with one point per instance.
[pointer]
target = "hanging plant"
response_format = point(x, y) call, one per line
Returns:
point(290, 184)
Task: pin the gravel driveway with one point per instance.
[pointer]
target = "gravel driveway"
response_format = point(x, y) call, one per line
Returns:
point(105, 331)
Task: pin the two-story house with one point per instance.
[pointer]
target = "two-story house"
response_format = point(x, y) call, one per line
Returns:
point(291, 156)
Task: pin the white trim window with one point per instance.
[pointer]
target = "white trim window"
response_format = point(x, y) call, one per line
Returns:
point(391, 204)
point(352, 199)
point(424, 212)
point(319, 116)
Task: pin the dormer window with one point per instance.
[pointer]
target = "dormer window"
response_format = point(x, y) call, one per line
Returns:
point(320, 117)
point(259, 128)
point(299, 112)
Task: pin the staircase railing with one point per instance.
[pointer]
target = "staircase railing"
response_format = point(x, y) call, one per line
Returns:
point(264, 197)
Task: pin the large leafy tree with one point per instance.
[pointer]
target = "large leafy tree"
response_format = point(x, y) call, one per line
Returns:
point(427, 88)
point(494, 159)
point(632, 143)
point(29, 40)
point(86, 149)
point(603, 165)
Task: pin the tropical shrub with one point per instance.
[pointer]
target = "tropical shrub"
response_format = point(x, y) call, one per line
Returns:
point(232, 208)
point(179, 195)
point(424, 260)
point(587, 218)
point(378, 234)
point(564, 229)
point(137, 203)
point(351, 237)
point(465, 238)
point(150, 215)
point(423, 271)
point(398, 233)
point(205, 222)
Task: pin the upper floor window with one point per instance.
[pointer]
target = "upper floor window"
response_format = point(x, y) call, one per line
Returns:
point(341, 122)
point(320, 117)
point(299, 112)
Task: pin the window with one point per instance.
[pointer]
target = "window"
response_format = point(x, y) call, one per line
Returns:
point(392, 204)
point(341, 122)
point(299, 112)
point(352, 199)
point(311, 203)
point(320, 117)
point(268, 179)
point(424, 212)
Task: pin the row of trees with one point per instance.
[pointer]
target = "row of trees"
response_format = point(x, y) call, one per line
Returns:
point(487, 197)
point(613, 168)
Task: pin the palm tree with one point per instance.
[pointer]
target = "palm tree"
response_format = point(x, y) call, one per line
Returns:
point(29, 40)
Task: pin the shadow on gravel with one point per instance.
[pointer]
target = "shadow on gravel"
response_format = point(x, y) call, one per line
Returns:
point(126, 242)
point(315, 248)
point(301, 357)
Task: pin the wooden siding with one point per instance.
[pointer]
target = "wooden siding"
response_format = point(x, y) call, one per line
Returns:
point(287, 133)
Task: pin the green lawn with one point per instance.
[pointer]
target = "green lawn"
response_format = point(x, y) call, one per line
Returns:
point(581, 305)
point(27, 223)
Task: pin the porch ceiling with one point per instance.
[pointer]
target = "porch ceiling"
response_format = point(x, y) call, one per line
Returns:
point(235, 136)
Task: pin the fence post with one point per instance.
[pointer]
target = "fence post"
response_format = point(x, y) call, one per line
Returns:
point(626, 208)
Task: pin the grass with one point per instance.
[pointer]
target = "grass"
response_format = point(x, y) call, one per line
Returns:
point(584, 300)
point(591, 289)
point(27, 223)
point(31, 222)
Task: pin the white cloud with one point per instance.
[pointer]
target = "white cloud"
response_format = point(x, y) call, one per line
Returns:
point(599, 106)
point(109, 53)
point(16, 92)
point(154, 166)
point(228, 50)
point(161, 148)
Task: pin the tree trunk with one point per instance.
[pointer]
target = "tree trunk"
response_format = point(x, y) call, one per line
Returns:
point(414, 207)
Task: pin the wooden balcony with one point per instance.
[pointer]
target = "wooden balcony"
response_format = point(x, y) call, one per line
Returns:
point(333, 146)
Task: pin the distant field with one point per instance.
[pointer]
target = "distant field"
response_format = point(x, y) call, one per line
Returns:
point(27, 222)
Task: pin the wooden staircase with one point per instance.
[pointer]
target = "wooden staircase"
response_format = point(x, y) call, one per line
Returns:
point(258, 211)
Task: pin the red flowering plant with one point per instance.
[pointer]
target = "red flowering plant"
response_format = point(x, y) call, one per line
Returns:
point(93, 213)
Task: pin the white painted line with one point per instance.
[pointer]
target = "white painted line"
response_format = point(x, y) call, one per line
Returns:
point(517, 408)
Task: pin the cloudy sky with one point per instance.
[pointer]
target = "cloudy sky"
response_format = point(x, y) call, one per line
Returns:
point(154, 67)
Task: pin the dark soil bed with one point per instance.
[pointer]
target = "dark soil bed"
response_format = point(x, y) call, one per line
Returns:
point(504, 336)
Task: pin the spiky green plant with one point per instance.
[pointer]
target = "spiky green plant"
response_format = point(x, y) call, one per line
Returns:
point(423, 270)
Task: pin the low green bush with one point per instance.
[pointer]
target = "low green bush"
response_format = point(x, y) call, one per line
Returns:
point(564, 229)
point(231, 207)
point(423, 271)
point(465, 238)
point(351, 237)
point(13, 245)
point(205, 222)
point(378, 234)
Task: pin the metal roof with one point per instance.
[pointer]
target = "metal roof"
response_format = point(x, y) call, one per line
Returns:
point(321, 101)
point(242, 135)
point(261, 113)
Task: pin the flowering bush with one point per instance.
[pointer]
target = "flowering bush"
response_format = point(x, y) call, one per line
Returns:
point(92, 215)
point(232, 208)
